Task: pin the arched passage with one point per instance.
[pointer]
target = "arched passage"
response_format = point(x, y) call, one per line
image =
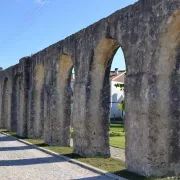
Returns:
point(60, 112)
point(5, 104)
point(73, 80)
point(99, 96)
point(117, 105)
point(96, 125)
point(117, 78)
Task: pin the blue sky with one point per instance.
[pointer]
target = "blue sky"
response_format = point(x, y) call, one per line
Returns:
point(28, 26)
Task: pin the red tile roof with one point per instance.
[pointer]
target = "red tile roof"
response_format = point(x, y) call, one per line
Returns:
point(113, 77)
point(119, 77)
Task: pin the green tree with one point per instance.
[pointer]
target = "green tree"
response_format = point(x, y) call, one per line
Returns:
point(1, 68)
point(121, 86)
point(122, 106)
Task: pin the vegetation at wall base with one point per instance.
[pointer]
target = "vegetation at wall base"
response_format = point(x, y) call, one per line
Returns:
point(117, 136)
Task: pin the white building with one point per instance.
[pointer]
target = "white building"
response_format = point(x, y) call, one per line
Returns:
point(117, 95)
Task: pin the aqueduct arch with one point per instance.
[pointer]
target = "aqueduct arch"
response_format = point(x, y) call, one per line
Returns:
point(95, 137)
point(148, 33)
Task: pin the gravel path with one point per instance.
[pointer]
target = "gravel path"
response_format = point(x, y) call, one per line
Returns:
point(117, 153)
point(19, 161)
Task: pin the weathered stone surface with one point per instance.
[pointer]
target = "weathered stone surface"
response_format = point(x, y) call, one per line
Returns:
point(149, 34)
point(14, 89)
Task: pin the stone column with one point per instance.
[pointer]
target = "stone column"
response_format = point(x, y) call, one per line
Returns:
point(5, 104)
point(36, 118)
point(92, 103)
point(152, 105)
point(58, 107)
point(23, 97)
point(15, 105)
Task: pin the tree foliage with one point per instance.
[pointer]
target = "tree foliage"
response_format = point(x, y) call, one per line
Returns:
point(122, 103)
point(121, 86)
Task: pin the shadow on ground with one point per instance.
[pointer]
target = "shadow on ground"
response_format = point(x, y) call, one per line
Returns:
point(18, 148)
point(6, 138)
point(32, 161)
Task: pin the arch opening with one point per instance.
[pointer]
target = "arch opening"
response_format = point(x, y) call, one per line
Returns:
point(99, 105)
point(111, 93)
point(73, 80)
point(117, 103)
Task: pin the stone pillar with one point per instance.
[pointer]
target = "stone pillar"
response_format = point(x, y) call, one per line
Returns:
point(58, 107)
point(36, 118)
point(1, 94)
point(19, 103)
point(81, 136)
point(5, 105)
point(15, 105)
point(152, 107)
point(23, 98)
point(92, 104)
point(90, 121)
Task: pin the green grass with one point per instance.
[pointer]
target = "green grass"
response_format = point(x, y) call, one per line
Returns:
point(108, 164)
point(117, 136)
point(118, 142)
point(117, 128)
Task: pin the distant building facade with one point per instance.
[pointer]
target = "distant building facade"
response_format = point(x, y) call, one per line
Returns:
point(117, 95)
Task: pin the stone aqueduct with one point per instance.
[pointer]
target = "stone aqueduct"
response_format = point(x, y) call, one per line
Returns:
point(36, 100)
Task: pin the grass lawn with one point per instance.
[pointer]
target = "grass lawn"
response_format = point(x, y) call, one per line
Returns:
point(108, 164)
point(117, 136)
point(118, 128)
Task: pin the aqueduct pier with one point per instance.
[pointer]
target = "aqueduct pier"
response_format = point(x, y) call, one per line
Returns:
point(35, 95)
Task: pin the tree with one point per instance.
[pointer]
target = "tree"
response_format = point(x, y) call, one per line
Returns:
point(1, 68)
point(121, 86)
point(122, 106)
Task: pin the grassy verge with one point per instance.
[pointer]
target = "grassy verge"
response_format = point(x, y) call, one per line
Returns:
point(108, 164)
point(117, 136)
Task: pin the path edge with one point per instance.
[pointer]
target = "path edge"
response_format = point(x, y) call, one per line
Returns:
point(84, 165)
